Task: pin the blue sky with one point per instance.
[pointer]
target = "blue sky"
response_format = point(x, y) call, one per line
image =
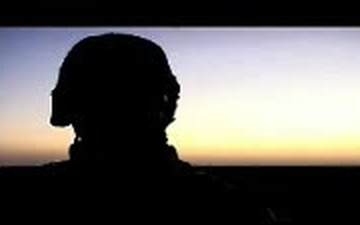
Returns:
point(249, 95)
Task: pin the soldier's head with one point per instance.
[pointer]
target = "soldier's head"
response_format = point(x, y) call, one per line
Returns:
point(114, 80)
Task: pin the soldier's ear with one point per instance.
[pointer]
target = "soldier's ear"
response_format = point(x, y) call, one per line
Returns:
point(60, 109)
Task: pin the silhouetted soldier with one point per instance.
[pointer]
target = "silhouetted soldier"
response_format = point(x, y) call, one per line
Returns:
point(119, 94)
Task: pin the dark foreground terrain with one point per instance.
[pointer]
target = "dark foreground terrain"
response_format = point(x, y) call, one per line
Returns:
point(311, 194)
point(284, 195)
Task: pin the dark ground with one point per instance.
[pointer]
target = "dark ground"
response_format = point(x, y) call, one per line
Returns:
point(299, 194)
point(286, 194)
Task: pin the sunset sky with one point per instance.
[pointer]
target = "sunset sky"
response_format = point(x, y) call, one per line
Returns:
point(250, 96)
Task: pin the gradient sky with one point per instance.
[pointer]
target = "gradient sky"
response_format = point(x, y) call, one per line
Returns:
point(250, 96)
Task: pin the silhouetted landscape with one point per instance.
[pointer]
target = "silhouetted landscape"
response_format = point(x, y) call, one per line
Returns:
point(135, 169)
